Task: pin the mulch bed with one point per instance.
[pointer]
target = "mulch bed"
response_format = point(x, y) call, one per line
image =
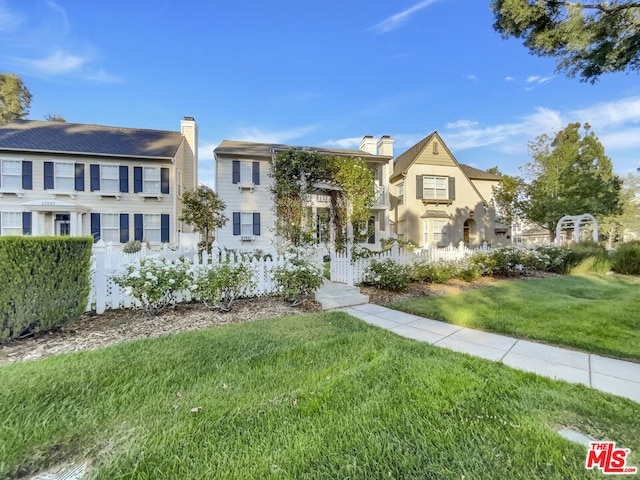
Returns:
point(116, 326)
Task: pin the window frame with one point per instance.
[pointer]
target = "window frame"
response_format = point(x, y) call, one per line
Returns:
point(400, 193)
point(58, 178)
point(114, 230)
point(104, 179)
point(145, 181)
point(3, 175)
point(146, 228)
point(427, 191)
point(3, 228)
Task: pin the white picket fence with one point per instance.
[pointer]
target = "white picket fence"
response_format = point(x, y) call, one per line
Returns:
point(351, 272)
point(109, 262)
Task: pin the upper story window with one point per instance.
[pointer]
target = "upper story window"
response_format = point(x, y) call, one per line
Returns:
point(400, 193)
point(11, 174)
point(64, 176)
point(245, 174)
point(435, 188)
point(151, 181)
point(179, 183)
point(109, 178)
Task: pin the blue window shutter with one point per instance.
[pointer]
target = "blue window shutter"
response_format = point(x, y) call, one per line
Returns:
point(95, 226)
point(255, 173)
point(26, 223)
point(94, 173)
point(27, 175)
point(79, 172)
point(256, 224)
point(124, 179)
point(236, 223)
point(419, 187)
point(138, 227)
point(236, 172)
point(452, 188)
point(137, 179)
point(48, 175)
point(164, 228)
point(164, 180)
point(124, 227)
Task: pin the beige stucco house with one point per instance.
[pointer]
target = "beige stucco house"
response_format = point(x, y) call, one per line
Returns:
point(243, 182)
point(437, 201)
point(115, 184)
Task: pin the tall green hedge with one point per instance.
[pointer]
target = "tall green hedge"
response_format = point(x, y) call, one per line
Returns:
point(44, 282)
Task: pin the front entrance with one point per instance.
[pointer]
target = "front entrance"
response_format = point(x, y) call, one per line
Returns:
point(62, 224)
point(470, 232)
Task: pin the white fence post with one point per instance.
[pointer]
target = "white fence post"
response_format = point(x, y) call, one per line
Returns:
point(100, 280)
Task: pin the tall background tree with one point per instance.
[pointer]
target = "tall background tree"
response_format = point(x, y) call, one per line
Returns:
point(15, 98)
point(569, 175)
point(204, 210)
point(587, 39)
point(625, 224)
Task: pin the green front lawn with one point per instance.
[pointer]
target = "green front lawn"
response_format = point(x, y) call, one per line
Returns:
point(322, 396)
point(594, 313)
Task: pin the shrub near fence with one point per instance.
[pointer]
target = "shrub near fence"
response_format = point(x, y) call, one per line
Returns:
point(45, 282)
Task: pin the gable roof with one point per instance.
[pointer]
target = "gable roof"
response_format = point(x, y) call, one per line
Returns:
point(404, 161)
point(476, 174)
point(75, 138)
point(255, 149)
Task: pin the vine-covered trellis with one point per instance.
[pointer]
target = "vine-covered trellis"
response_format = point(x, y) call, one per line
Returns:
point(347, 181)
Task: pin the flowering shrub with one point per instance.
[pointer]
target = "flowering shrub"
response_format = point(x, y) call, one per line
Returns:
point(298, 277)
point(218, 285)
point(387, 275)
point(154, 282)
point(441, 271)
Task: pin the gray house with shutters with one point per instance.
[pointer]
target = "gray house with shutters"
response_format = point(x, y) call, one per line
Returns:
point(115, 184)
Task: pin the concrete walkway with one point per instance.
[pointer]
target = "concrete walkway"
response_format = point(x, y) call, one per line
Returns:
point(605, 374)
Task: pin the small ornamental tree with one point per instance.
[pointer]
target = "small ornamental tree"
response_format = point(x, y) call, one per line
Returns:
point(204, 210)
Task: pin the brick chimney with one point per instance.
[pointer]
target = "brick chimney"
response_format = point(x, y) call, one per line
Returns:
point(385, 146)
point(368, 144)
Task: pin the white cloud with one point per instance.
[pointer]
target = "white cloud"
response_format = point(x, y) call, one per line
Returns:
point(9, 21)
point(256, 134)
point(62, 13)
point(473, 78)
point(461, 124)
point(350, 142)
point(58, 63)
point(397, 20)
point(608, 114)
point(533, 78)
point(509, 79)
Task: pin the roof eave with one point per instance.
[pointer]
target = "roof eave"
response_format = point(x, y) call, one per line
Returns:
point(86, 154)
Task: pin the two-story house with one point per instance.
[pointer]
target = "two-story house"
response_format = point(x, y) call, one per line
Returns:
point(115, 184)
point(243, 182)
point(437, 201)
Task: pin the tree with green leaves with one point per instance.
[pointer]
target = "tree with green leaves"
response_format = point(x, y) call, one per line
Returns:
point(587, 39)
point(15, 98)
point(54, 117)
point(204, 210)
point(569, 175)
point(507, 197)
point(628, 219)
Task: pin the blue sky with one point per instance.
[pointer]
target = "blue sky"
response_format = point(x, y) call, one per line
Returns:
point(309, 73)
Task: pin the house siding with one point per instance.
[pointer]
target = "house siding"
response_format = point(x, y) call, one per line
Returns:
point(258, 200)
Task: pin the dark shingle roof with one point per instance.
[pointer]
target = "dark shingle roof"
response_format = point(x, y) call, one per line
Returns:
point(34, 136)
point(404, 161)
point(235, 147)
point(476, 174)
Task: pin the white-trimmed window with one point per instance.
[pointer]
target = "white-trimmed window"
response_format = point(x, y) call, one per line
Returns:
point(110, 225)
point(246, 173)
point(435, 188)
point(435, 231)
point(179, 183)
point(64, 176)
point(11, 174)
point(151, 181)
point(400, 229)
point(11, 223)
point(400, 193)
point(109, 179)
point(246, 224)
point(152, 228)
